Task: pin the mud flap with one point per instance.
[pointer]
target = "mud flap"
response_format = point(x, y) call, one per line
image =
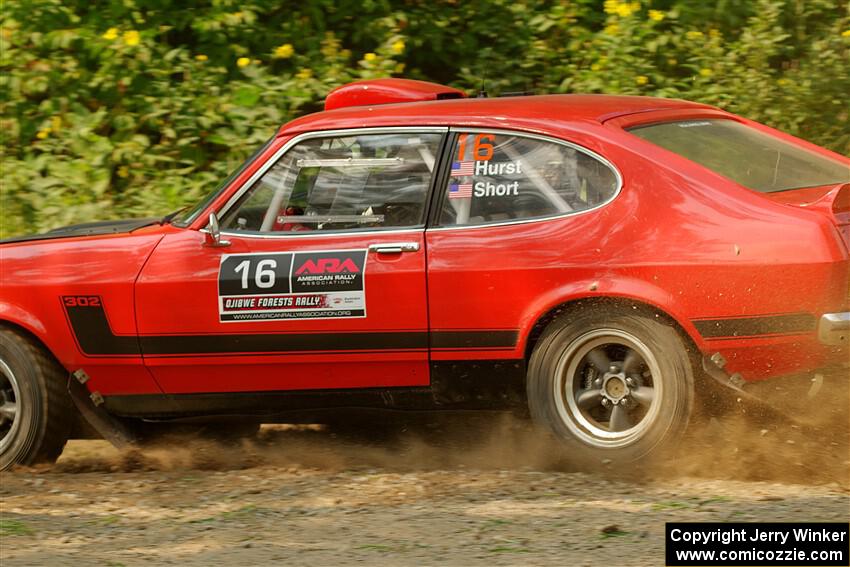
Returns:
point(734, 396)
point(89, 406)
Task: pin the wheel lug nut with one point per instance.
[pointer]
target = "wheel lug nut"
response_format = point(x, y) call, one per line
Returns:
point(631, 382)
point(606, 402)
point(612, 369)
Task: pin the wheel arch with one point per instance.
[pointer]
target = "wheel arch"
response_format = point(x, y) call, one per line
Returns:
point(22, 321)
point(651, 303)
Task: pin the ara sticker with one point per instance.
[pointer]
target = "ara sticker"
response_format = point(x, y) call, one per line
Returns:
point(292, 285)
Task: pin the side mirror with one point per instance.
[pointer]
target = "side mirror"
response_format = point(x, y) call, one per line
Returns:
point(213, 234)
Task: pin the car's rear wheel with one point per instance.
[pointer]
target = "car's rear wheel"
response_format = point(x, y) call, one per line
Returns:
point(36, 412)
point(611, 386)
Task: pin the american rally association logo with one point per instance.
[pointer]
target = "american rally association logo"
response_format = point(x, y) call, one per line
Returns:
point(328, 266)
point(327, 271)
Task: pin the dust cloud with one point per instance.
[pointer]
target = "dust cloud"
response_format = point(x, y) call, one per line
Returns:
point(799, 432)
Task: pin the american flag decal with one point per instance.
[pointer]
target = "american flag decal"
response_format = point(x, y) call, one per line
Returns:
point(460, 190)
point(460, 168)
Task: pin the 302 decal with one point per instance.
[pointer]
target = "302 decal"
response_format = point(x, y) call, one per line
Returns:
point(81, 301)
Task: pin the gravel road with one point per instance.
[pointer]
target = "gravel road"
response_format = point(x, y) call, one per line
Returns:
point(467, 491)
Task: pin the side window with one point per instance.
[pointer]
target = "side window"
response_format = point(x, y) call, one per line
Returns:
point(498, 177)
point(354, 182)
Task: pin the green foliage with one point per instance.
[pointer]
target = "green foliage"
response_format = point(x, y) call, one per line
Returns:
point(138, 107)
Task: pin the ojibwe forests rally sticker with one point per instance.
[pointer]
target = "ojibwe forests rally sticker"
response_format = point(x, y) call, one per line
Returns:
point(292, 285)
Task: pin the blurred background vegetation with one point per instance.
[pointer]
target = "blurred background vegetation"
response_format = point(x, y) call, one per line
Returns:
point(137, 107)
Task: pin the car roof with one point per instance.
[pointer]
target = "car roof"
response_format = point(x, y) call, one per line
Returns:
point(542, 112)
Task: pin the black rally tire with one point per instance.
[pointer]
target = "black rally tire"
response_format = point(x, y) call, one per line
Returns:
point(560, 348)
point(45, 410)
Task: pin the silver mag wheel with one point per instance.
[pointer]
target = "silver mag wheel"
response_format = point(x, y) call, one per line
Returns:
point(613, 384)
point(607, 389)
point(10, 395)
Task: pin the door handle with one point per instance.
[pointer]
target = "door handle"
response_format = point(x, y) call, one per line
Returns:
point(394, 247)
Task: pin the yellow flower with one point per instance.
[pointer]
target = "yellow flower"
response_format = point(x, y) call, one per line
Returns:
point(626, 9)
point(693, 34)
point(705, 72)
point(243, 62)
point(845, 33)
point(370, 57)
point(201, 57)
point(642, 79)
point(672, 61)
point(42, 134)
point(656, 15)
point(55, 123)
point(399, 68)
point(622, 9)
point(304, 74)
point(714, 33)
point(131, 37)
point(782, 82)
point(611, 29)
point(398, 46)
point(110, 34)
point(284, 51)
point(123, 171)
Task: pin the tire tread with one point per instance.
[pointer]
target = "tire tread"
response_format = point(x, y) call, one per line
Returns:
point(59, 413)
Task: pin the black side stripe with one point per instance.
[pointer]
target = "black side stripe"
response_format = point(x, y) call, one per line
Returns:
point(95, 337)
point(202, 344)
point(474, 339)
point(793, 323)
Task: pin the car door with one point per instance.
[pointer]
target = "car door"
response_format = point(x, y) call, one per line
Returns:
point(321, 282)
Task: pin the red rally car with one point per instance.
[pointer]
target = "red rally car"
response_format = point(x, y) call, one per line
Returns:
point(596, 259)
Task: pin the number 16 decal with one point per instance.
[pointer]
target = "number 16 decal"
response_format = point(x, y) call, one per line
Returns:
point(481, 150)
point(287, 285)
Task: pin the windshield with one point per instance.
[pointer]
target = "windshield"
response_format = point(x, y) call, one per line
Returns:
point(745, 155)
point(190, 215)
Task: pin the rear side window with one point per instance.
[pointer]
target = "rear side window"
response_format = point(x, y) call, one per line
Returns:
point(745, 155)
point(500, 178)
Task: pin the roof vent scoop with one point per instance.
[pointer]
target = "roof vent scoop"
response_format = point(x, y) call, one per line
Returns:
point(388, 91)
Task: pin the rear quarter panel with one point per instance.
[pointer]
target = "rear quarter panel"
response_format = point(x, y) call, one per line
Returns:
point(677, 237)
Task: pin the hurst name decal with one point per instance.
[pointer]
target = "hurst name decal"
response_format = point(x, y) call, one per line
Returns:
point(287, 285)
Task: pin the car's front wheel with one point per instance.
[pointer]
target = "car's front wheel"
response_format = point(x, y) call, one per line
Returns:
point(36, 411)
point(611, 385)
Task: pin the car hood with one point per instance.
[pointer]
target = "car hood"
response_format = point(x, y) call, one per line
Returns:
point(88, 229)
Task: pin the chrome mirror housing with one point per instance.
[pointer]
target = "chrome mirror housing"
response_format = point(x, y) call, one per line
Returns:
point(213, 233)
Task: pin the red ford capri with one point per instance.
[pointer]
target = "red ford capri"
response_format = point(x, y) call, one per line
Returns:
point(599, 260)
